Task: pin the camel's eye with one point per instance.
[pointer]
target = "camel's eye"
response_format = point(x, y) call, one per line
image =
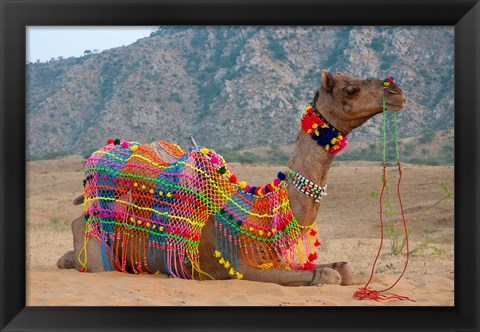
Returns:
point(351, 90)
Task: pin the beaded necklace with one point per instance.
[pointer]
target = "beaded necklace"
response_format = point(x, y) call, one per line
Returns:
point(307, 187)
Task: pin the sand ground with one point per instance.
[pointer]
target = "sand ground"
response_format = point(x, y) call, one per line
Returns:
point(349, 230)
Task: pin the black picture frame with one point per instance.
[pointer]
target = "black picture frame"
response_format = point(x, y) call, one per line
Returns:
point(16, 15)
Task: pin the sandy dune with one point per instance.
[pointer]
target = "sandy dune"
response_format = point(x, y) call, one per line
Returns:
point(349, 230)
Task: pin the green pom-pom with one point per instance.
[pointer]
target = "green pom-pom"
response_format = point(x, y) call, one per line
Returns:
point(239, 223)
point(222, 170)
point(222, 211)
point(116, 141)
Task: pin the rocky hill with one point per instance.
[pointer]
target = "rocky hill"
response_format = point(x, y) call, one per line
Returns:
point(230, 87)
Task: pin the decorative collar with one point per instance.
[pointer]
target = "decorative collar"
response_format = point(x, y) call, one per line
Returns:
point(325, 134)
point(307, 187)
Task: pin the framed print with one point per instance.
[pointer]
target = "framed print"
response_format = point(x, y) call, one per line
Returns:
point(229, 79)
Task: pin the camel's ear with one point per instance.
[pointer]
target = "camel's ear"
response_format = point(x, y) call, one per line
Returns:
point(327, 81)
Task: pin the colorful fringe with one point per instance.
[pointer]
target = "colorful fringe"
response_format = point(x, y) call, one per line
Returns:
point(148, 214)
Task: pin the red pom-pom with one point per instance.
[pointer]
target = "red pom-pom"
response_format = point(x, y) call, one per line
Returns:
point(110, 141)
point(308, 266)
point(233, 179)
point(313, 232)
point(312, 257)
point(82, 270)
point(317, 243)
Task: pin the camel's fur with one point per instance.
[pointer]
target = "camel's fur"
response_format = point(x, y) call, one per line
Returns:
point(346, 103)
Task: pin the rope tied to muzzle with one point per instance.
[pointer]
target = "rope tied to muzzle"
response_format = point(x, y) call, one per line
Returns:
point(369, 294)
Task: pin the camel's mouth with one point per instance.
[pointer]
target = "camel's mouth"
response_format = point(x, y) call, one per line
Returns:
point(395, 107)
point(397, 102)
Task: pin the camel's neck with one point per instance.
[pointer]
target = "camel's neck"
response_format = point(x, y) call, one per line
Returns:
point(313, 162)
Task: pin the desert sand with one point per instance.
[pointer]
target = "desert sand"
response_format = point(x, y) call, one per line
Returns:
point(349, 230)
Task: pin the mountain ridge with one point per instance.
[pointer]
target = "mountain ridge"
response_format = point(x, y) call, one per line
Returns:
point(230, 86)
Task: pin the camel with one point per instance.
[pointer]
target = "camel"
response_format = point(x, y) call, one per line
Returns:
point(342, 102)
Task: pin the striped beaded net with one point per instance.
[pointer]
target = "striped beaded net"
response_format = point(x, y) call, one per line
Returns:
point(148, 214)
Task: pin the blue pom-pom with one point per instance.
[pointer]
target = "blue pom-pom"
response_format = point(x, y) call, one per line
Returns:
point(281, 176)
point(252, 190)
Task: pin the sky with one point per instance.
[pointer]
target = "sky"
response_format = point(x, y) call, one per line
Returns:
point(45, 42)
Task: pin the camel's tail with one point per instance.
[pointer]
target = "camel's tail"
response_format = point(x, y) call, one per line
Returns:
point(78, 200)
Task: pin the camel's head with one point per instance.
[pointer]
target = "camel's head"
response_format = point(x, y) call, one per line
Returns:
point(348, 102)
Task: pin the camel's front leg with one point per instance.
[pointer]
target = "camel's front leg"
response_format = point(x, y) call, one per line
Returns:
point(284, 277)
point(343, 268)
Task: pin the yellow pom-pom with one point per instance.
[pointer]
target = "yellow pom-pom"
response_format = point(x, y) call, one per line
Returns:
point(231, 272)
point(327, 147)
point(135, 184)
point(160, 193)
point(217, 254)
point(260, 232)
point(333, 140)
point(309, 131)
point(317, 133)
point(169, 195)
point(251, 229)
point(134, 148)
point(139, 222)
point(132, 219)
point(340, 137)
point(147, 224)
point(161, 228)
point(227, 265)
point(221, 261)
point(239, 275)
point(242, 184)
point(204, 151)
point(154, 226)
point(315, 125)
point(144, 187)
point(151, 191)
point(274, 230)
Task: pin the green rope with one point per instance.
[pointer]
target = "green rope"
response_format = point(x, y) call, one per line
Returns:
point(384, 129)
point(395, 125)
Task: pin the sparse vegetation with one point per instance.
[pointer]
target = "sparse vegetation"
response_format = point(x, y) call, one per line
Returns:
point(396, 233)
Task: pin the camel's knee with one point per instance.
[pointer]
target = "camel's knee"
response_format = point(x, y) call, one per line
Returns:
point(343, 268)
point(66, 261)
point(346, 272)
point(326, 275)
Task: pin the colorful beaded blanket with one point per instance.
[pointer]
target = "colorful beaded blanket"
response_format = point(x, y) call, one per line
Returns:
point(148, 213)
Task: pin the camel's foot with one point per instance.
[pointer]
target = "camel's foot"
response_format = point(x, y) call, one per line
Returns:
point(344, 269)
point(326, 275)
point(66, 261)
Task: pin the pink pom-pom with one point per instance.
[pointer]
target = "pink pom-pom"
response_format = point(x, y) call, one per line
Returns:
point(125, 145)
point(214, 160)
point(276, 182)
point(247, 188)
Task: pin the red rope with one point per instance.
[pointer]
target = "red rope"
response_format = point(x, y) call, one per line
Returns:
point(368, 294)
